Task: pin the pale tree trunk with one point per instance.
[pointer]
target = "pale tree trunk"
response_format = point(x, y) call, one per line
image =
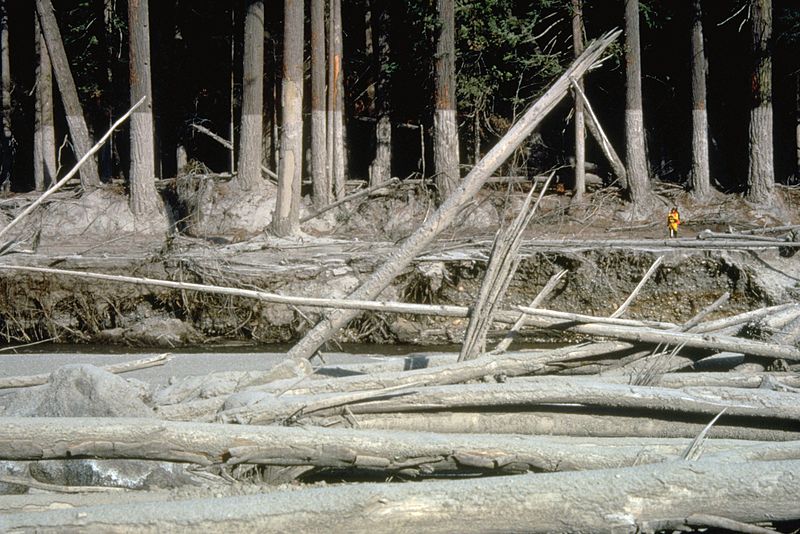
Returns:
point(44, 95)
point(69, 94)
point(250, 143)
point(580, 127)
point(445, 123)
point(381, 167)
point(38, 151)
point(701, 183)
point(339, 168)
point(797, 129)
point(761, 172)
point(5, 88)
point(286, 220)
point(319, 176)
point(144, 199)
point(636, 157)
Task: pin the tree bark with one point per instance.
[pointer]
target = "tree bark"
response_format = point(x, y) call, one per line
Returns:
point(336, 88)
point(467, 189)
point(250, 141)
point(445, 123)
point(633, 499)
point(319, 174)
point(635, 153)
point(286, 220)
point(8, 141)
point(38, 149)
point(380, 171)
point(701, 181)
point(579, 187)
point(761, 171)
point(144, 200)
point(69, 94)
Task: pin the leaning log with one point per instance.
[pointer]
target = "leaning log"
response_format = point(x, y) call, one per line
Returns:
point(632, 499)
point(401, 257)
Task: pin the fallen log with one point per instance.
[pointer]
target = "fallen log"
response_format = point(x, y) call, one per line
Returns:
point(774, 381)
point(349, 198)
point(565, 421)
point(740, 319)
point(402, 256)
point(208, 444)
point(632, 498)
point(593, 244)
point(624, 306)
point(117, 368)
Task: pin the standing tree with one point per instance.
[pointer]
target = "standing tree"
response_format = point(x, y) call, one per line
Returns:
point(380, 170)
point(250, 142)
point(580, 130)
point(69, 94)
point(44, 162)
point(337, 150)
point(635, 154)
point(286, 220)
point(319, 175)
point(8, 143)
point(144, 200)
point(761, 175)
point(701, 183)
point(445, 124)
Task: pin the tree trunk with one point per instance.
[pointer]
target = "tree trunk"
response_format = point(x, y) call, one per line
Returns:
point(445, 123)
point(250, 142)
point(69, 94)
point(701, 182)
point(405, 253)
point(579, 187)
point(144, 200)
point(761, 174)
point(635, 154)
point(38, 150)
point(8, 142)
point(319, 175)
point(286, 220)
point(380, 170)
point(339, 168)
point(631, 499)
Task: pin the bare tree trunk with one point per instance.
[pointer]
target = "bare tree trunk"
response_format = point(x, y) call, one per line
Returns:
point(319, 176)
point(38, 150)
point(339, 147)
point(250, 142)
point(701, 182)
point(8, 142)
point(437, 222)
point(286, 220)
point(761, 174)
point(144, 200)
point(797, 128)
point(69, 94)
point(580, 129)
point(381, 167)
point(635, 154)
point(445, 124)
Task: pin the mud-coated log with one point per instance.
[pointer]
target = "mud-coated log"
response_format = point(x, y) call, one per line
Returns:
point(42, 438)
point(629, 500)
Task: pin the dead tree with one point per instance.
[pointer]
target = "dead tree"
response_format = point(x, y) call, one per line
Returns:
point(701, 182)
point(69, 94)
point(761, 170)
point(286, 220)
point(580, 128)
point(250, 142)
point(635, 152)
point(380, 171)
point(8, 142)
point(337, 149)
point(437, 222)
point(44, 152)
point(445, 122)
point(144, 200)
point(320, 176)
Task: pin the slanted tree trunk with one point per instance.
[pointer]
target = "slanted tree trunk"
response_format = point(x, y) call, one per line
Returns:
point(445, 124)
point(761, 172)
point(319, 175)
point(250, 144)
point(339, 168)
point(701, 182)
point(144, 200)
point(286, 220)
point(69, 94)
point(8, 142)
point(380, 170)
point(580, 128)
point(635, 154)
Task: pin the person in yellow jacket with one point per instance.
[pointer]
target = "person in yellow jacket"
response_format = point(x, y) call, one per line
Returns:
point(673, 221)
